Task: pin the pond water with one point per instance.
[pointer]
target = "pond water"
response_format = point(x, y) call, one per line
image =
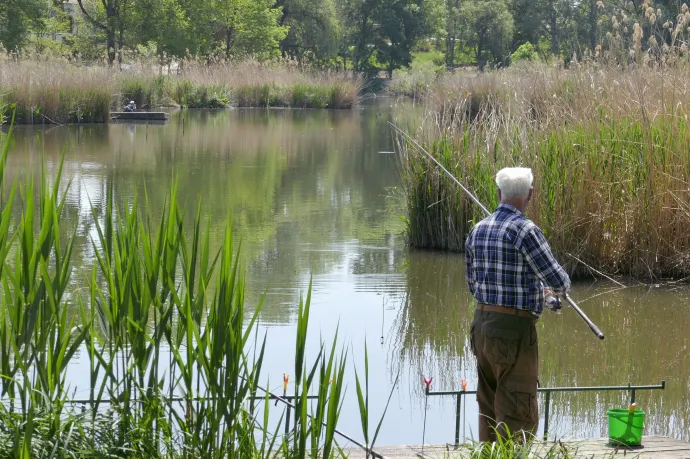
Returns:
point(316, 195)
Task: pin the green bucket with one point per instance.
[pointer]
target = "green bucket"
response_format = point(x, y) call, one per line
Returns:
point(625, 428)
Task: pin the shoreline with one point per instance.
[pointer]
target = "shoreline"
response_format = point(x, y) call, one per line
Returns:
point(39, 93)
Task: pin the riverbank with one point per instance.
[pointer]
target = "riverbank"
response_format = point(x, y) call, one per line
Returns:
point(609, 153)
point(59, 92)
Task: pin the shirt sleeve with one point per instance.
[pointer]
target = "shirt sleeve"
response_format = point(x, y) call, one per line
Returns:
point(469, 273)
point(538, 254)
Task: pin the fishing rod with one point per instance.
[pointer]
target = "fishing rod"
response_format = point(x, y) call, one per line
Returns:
point(592, 325)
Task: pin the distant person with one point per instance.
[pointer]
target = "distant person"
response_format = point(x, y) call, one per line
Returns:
point(509, 264)
point(131, 107)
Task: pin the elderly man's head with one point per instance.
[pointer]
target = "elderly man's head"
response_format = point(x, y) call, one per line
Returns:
point(515, 186)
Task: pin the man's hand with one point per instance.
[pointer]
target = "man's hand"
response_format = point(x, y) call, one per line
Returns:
point(554, 303)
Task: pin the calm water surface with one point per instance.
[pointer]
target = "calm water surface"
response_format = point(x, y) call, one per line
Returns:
point(316, 194)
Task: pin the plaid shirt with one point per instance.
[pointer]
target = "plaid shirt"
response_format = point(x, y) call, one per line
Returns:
point(509, 262)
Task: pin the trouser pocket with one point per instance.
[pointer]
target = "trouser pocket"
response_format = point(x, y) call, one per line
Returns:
point(501, 345)
point(520, 401)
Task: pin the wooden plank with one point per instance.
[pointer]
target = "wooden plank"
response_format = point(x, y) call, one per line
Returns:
point(653, 447)
point(139, 115)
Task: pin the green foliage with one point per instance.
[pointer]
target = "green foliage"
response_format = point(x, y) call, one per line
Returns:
point(191, 95)
point(245, 27)
point(491, 30)
point(368, 36)
point(163, 24)
point(384, 32)
point(17, 19)
point(145, 92)
point(525, 52)
point(314, 30)
point(423, 73)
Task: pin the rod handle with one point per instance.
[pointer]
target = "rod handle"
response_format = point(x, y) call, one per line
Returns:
point(592, 325)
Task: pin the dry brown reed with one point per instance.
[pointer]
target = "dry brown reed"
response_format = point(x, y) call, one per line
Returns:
point(58, 91)
point(609, 149)
point(55, 92)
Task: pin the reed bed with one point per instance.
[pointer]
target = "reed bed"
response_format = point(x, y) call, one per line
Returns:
point(41, 93)
point(174, 356)
point(609, 151)
point(60, 92)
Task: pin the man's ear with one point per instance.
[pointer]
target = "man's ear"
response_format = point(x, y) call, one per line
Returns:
point(529, 195)
point(499, 195)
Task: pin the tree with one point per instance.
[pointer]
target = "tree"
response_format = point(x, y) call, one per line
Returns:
point(259, 33)
point(315, 29)
point(164, 24)
point(109, 16)
point(360, 21)
point(386, 30)
point(453, 22)
point(248, 27)
point(490, 30)
point(17, 18)
point(401, 23)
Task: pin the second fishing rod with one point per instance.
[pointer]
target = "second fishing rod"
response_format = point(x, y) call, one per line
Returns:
point(469, 194)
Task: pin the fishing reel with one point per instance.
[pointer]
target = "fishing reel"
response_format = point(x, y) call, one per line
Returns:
point(553, 303)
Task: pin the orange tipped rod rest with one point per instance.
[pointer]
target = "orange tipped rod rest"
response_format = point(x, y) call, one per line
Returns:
point(574, 305)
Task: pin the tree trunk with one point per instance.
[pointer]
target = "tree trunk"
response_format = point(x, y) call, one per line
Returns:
point(361, 40)
point(555, 48)
point(481, 37)
point(450, 44)
point(480, 52)
point(109, 27)
point(593, 24)
point(110, 44)
point(452, 35)
point(120, 45)
point(228, 41)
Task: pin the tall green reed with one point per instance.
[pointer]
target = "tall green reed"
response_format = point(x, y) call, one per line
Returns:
point(610, 180)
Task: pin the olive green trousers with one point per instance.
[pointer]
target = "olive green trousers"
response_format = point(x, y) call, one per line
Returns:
point(506, 349)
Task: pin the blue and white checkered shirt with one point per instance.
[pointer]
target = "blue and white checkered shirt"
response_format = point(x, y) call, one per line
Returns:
point(509, 262)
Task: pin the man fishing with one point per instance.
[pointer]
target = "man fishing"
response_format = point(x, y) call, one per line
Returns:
point(509, 264)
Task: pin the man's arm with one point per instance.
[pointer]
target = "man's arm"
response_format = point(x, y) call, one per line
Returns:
point(538, 254)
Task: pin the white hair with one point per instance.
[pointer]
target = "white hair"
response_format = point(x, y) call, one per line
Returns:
point(514, 182)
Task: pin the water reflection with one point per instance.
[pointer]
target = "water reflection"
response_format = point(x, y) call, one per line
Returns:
point(307, 190)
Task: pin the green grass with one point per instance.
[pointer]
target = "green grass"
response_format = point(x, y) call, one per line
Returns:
point(521, 446)
point(154, 285)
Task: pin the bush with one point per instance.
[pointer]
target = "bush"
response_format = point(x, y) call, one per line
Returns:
point(525, 52)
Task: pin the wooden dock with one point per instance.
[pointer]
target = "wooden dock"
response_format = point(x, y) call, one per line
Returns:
point(158, 116)
point(653, 447)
